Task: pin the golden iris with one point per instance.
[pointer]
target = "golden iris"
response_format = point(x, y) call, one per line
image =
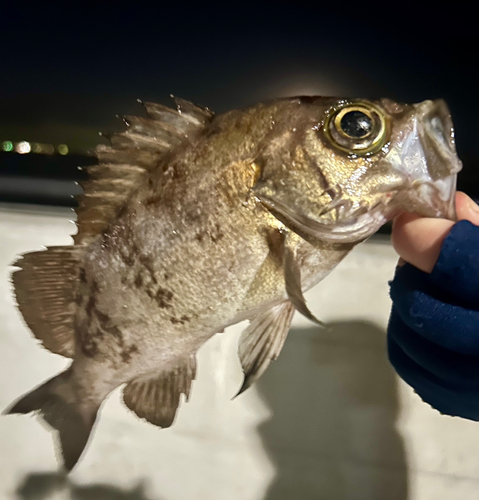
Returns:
point(359, 128)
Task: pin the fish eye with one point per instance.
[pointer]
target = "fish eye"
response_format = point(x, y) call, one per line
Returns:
point(358, 128)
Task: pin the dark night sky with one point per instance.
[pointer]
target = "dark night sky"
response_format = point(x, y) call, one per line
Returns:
point(68, 69)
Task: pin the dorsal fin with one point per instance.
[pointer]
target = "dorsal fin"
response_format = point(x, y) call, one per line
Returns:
point(130, 156)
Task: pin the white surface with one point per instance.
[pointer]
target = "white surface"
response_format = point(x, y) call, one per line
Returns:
point(329, 419)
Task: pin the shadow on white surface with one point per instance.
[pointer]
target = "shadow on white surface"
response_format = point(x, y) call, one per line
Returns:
point(334, 402)
point(55, 486)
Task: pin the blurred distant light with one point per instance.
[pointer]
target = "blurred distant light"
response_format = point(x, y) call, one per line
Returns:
point(7, 146)
point(23, 147)
point(48, 149)
point(36, 148)
point(63, 149)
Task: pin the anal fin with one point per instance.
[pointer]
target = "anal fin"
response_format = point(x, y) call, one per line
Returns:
point(45, 288)
point(156, 397)
point(263, 340)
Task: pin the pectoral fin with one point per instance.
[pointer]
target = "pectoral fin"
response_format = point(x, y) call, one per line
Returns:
point(292, 276)
point(263, 340)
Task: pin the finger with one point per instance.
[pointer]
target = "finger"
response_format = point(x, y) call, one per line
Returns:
point(418, 240)
point(466, 209)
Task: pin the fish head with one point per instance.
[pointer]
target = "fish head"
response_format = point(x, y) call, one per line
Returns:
point(341, 168)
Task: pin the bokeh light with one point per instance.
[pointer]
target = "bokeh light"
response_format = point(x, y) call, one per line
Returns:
point(36, 148)
point(23, 147)
point(63, 149)
point(7, 146)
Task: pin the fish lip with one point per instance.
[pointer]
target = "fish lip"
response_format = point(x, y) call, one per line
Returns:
point(357, 227)
point(425, 156)
point(436, 132)
point(433, 199)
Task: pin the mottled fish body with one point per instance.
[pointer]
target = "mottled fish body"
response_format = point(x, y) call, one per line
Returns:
point(193, 222)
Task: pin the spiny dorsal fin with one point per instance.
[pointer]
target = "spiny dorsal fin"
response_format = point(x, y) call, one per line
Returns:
point(128, 159)
point(156, 397)
point(45, 287)
point(263, 340)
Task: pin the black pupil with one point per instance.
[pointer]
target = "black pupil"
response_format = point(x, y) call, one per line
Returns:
point(356, 124)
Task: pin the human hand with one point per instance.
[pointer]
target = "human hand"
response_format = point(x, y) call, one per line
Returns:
point(418, 240)
point(433, 331)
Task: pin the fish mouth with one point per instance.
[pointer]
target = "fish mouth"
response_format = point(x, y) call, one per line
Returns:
point(424, 155)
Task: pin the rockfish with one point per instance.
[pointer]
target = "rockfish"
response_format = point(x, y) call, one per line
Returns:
point(192, 222)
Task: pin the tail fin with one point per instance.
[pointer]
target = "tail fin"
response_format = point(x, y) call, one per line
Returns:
point(55, 401)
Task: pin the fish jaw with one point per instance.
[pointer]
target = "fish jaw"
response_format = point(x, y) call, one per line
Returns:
point(353, 230)
point(424, 154)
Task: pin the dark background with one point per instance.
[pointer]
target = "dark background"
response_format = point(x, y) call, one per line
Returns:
point(68, 68)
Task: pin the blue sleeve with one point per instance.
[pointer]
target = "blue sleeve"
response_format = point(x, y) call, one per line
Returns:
point(433, 331)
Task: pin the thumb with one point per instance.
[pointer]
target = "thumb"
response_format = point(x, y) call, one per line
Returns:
point(419, 240)
point(466, 209)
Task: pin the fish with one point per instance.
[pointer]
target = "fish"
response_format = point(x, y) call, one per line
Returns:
point(191, 222)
